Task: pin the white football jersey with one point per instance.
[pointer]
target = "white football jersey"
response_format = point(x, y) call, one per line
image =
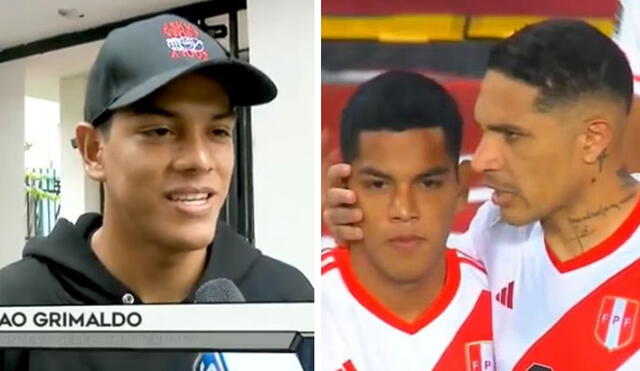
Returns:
point(580, 314)
point(359, 333)
point(627, 36)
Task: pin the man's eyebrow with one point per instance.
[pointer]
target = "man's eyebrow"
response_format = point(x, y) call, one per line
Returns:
point(145, 108)
point(152, 109)
point(505, 127)
point(433, 172)
point(438, 170)
point(367, 170)
point(228, 114)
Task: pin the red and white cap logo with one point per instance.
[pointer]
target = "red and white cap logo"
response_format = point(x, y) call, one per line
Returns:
point(183, 41)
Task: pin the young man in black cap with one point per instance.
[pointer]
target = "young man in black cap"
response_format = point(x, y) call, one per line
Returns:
point(159, 118)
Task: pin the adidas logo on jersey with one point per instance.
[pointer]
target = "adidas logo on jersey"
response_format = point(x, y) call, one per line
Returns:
point(505, 296)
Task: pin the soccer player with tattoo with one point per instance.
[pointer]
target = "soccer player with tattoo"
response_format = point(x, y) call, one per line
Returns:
point(560, 236)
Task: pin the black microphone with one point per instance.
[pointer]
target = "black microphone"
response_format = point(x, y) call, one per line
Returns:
point(219, 290)
point(223, 290)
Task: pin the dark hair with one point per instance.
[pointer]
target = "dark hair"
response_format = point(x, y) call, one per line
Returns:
point(565, 59)
point(398, 101)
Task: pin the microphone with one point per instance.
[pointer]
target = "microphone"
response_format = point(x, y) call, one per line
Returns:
point(223, 290)
point(219, 290)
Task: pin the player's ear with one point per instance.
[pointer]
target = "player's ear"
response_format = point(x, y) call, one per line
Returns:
point(595, 141)
point(464, 177)
point(90, 145)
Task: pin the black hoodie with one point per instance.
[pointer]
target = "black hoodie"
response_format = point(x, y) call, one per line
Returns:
point(62, 269)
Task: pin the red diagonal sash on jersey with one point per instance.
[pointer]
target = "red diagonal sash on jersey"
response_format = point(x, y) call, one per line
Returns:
point(598, 333)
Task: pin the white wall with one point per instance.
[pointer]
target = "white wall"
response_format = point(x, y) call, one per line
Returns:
point(281, 43)
point(42, 131)
point(78, 193)
point(13, 224)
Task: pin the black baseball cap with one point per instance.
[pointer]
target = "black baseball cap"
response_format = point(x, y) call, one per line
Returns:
point(138, 59)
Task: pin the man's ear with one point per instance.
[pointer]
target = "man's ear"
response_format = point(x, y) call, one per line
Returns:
point(464, 177)
point(596, 139)
point(90, 144)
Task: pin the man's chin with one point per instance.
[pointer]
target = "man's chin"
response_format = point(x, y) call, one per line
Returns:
point(189, 238)
point(191, 243)
point(407, 276)
point(515, 218)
